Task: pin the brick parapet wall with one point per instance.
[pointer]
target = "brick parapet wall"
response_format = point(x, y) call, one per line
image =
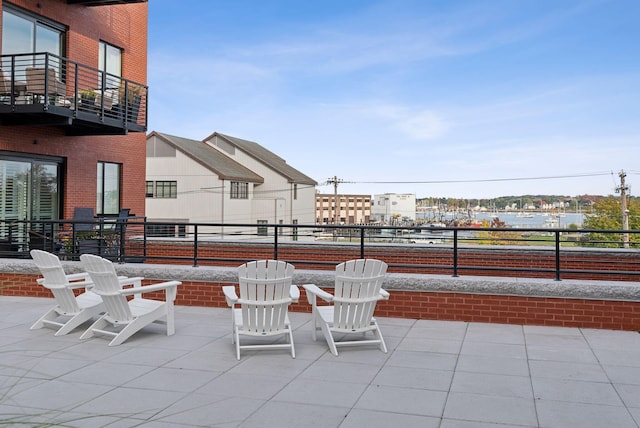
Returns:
point(493, 300)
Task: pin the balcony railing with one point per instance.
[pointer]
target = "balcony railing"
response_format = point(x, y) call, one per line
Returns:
point(45, 89)
point(530, 253)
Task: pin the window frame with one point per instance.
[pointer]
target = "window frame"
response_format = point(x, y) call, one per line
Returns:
point(100, 189)
point(109, 79)
point(263, 230)
point(239, 190)
point(149, 189)
point(36, 21)
point(160, 187)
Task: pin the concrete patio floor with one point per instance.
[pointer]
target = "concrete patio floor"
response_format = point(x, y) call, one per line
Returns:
point(436, 374)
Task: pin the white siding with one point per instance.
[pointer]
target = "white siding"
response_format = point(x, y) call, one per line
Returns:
point(385, 207)
point(202, 197)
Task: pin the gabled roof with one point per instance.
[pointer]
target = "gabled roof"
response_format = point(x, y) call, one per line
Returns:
point(268, 158)
point(212, 159)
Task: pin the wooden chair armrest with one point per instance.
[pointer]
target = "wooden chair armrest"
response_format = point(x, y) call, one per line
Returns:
point(136, 281)
point(78, 276)
point(294, 293)
point(384, 294)
point(313, 290)
point(230, 295)
point(169, 286)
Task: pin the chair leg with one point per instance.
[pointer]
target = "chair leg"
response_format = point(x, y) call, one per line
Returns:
point(378, 334)
point(170, 318)
point(100, 324)
point(314, 324)
point(50, 316)
point(233, 326)
point(329, 338)
point(74, 323)
point(129, 330)
point(237, 341)
point(293, 350)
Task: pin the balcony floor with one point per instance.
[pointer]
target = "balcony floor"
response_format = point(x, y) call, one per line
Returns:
point(74, 123)
point(436, 374)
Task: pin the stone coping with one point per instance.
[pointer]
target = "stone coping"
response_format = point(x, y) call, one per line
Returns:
point(533, 287)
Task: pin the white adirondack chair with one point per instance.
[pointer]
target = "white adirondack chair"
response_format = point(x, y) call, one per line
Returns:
point(131, 315)
point(70, 311)
point(266, 291)
point(357, 290)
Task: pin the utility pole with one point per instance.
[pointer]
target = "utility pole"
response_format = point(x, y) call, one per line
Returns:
point(336, 205)
point(622, 189)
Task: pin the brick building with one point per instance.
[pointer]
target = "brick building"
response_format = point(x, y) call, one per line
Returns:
point(350, 209)
point(73, 104)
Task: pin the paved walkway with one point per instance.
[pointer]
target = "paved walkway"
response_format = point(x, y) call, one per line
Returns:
point(436, 374)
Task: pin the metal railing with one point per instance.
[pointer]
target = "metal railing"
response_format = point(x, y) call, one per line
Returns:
point(59, 85)
point(526, 252)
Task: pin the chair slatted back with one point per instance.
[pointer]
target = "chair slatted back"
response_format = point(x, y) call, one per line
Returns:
point(55, 280)
point(264, 295)
point(5, 84)
point(38, 84)
point(357, 291)
point(107, 285)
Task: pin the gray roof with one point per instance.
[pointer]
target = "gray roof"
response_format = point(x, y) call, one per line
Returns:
point(212, 159)
point(268, 158)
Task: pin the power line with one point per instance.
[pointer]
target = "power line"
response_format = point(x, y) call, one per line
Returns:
point(550, 177)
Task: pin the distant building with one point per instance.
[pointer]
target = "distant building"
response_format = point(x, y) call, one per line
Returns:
point(391, 206)
point(223, 179)
point(352, 209)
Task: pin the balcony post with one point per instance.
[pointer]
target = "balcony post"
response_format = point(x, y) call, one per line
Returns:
point(557, 236)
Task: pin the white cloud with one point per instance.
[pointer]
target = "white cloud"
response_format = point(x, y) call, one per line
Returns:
point(417, 124)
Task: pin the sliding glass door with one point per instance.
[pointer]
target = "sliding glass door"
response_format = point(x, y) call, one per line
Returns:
point(29, 190)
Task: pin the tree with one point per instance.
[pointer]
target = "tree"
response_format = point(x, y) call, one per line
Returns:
point(607, 214)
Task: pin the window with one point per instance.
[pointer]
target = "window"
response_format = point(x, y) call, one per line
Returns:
point(26, 33)
point(109, 62)
point(166, 189)
point(263, 230)
point(108, 188)
point(29, 188)
point(295, 191)
point(239, 190)
point(149, 189)
point(168, 230)
point(23, 32)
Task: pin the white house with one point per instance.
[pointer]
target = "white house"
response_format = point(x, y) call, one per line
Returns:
point(389, 206)
point(223, 180)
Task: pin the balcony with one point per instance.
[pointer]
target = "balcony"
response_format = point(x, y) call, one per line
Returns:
point(43, 89)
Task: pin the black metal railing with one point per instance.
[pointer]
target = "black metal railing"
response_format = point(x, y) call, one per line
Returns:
point(526, 252)
point(47, 83)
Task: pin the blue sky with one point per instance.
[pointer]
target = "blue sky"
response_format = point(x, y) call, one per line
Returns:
point(469, 99)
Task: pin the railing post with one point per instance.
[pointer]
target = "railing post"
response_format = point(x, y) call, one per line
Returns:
point(46, 81)
point(275, 242)
point(362, 242)
point(455, 252)
point(13, 82)
point(557, 232)
point(195, 245)
point(144, 238)
point(120, 225)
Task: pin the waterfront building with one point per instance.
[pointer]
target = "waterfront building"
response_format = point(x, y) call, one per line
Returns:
point(390, 207)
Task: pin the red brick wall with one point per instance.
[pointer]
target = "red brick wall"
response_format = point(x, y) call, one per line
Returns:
point(521, 310)
point(124, 26)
